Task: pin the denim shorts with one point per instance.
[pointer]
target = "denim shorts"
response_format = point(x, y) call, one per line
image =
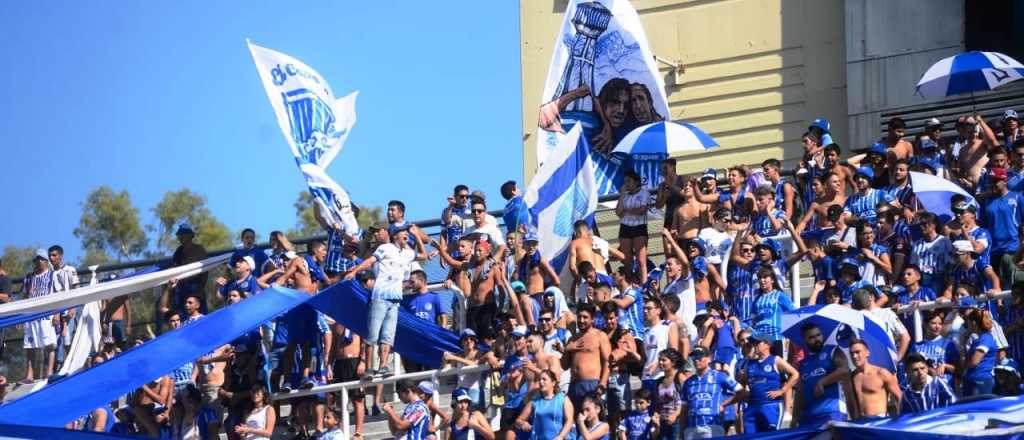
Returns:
point(382, 321)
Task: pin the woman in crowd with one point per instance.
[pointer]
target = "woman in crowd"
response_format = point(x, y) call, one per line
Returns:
point(634, 201)
point(549, 414)
point(259, 425)
point(667, 398)
point(466, 420)
point(980, 357)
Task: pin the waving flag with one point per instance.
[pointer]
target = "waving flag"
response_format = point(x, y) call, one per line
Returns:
point(563, 191)
point(602, 76)
point(314, 123)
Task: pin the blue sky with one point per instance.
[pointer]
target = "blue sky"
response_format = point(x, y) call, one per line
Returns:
point(156, 96)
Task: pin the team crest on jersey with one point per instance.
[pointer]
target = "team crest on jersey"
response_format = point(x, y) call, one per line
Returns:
point(711, 378)
point(823, 355)
point(767, 368)
point(429, 306)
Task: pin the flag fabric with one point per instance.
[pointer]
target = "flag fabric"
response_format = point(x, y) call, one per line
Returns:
point(563, 191)
point(86, 390)
point(314, 123)
point(87, 337)
point(604, 77)
point(934, 193)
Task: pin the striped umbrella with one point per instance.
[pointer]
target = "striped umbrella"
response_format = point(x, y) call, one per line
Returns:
point(934, 193)
point(969, 72)
point(647, 145)
point(840, 324)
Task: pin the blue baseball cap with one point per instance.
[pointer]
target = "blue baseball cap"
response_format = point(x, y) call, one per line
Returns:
point(928, 144)
point(709, 173)
point(821, 123)
point(700, 245)
point(426, 387)
point(760, 337)
point(1010, 114)
point(849, 261)
point(467, 333)
point(460, 394)
point(519, 331)
point(518, 286)
point(185, 228)
point(531, 236)
point(866, 172)
point(877, 148)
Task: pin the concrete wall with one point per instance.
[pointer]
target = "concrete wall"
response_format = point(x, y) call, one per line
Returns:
point(755, 72)
point(889, 45)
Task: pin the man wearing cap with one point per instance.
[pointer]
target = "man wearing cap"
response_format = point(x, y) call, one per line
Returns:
point(188, 252)
point(930, 155)
point(864, 201)
point(244, 281)
point(414, 423)
point(1011, 128)
point(821, 128)
point(703, 397)
point(971, 271)
point(979, 237)
point(40, 333)
point(587, 355)
point(763, 377)
point(822, 371)
point(874, 157)
point(1003, 214)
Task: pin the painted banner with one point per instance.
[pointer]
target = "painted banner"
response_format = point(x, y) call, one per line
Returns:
point(314, 123)
point(602, 76)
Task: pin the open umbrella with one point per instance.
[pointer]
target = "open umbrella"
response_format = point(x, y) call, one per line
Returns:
point(934, 192)
point(840, 324)
point(647, 145)
point(969, 72)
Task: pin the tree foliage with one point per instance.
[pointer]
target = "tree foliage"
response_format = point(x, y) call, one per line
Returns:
point(186, 206)
point(17, 260)
point(110, 224)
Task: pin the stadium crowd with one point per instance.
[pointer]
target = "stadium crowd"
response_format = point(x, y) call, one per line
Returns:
point(690, 348)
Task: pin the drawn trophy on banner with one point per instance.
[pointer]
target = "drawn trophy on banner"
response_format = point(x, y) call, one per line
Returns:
point(603, 78)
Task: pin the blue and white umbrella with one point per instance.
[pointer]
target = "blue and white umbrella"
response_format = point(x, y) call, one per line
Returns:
point(663, 139)
point(840, 324)
point(934, 192)
point(969, 72)
point(647, 145)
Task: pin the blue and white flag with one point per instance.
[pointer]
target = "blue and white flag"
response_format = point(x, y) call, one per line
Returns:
point(314, 123)
point(563, 191)
point(602, 76)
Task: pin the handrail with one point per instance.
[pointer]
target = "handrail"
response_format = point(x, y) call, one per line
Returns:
point(429, 374)
point(942, 304)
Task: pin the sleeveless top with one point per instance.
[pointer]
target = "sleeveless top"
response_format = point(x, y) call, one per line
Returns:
point(548, 417)
point(592, 429)
point(762, 377)
point(463, 433)
point(812, 369)
point(257, 419)
point(668, 397)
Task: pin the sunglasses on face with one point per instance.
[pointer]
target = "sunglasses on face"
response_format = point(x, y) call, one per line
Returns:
point(478, 211)
point(545, 319)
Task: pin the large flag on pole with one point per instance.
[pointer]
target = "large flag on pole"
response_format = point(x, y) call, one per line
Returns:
point(604, 77)
point(314, 123)
point(563, 191)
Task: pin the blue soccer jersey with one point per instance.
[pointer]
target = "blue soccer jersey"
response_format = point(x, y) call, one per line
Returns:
point(813, 368)
point(703, 395)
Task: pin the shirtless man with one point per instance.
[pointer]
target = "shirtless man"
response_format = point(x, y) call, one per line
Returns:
point(484, 273)
point(844, 173)
point(457, 275)
point(586, 247)
point(587, 355)
point(897, 148)
point(532, 270)
point(691, 216)
point(831, 185)
point(346, 361)
point(300, 321)
point(542, 360)
point(974, 153)
point(872, 386)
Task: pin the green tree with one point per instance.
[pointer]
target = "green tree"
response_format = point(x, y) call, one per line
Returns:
point(17, 260)
point(186, 206)
point(110, 223)
point(306, 224)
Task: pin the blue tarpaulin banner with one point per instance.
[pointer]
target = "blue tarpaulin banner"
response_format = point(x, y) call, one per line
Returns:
point(34, 432)
point(76, 395)
point(416, 339)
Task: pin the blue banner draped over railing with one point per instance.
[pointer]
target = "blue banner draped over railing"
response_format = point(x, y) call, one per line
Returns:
point(416, 339)
point(18, 432)
point(76, 395)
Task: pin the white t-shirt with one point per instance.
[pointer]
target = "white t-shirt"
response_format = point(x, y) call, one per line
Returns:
point(655, 340)
point(890, 323)
point(393, 267)
point(717, 242)
point(687, 294)
point(490, 228)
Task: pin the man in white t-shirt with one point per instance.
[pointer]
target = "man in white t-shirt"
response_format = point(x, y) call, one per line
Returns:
point(864, 300)
point(392, 262)
point(717, 239)
point(480, 222)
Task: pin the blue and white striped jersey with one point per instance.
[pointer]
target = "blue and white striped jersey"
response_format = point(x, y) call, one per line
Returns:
point(936, 393)
point(702, 396)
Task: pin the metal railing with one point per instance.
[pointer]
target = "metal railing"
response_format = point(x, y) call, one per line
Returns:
point(344, 387)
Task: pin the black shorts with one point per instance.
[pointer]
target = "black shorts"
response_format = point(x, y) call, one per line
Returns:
point(508, 418)
point(481, 319)
point(630, 232)
point(345, 371)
